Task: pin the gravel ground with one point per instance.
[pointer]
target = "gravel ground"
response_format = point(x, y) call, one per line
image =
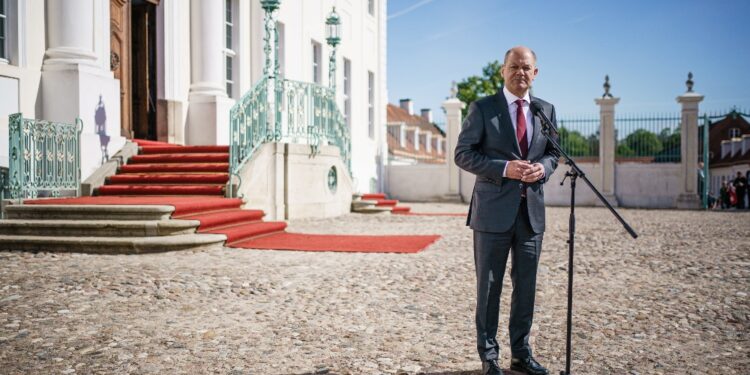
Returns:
point(675, 301)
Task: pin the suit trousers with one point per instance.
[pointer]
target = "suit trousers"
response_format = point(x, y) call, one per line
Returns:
point(491, 252)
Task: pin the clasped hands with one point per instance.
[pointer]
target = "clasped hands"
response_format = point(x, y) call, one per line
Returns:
point(524, 170)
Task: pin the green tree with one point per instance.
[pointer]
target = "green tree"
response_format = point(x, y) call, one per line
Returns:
point(475, 87)
point(643, 143)
point(574, 143)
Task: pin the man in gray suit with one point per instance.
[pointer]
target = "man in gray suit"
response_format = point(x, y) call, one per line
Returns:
point(502, 144)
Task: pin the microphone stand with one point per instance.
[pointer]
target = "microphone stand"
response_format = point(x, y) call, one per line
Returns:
point(574, 173)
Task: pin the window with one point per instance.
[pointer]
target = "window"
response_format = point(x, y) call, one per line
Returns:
point(348, 92)
point(734, 133)
point(280, 35)
point(371, 104)
point(371, 7)
point(3, 30)
point(229, 53)
point(316, 60)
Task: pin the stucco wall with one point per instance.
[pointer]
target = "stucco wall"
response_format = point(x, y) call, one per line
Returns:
point(417, 183)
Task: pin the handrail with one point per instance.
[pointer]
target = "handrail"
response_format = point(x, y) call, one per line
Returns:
point(43, 156)
point(281, 110)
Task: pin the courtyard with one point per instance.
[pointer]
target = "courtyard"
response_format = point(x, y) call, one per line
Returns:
point(673, 301)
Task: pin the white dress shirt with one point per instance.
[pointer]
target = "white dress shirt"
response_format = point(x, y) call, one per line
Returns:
point(513, 109)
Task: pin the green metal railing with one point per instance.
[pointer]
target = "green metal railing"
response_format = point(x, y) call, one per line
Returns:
point(285, 111)
point(652, 138)
point(44, 156)
point(579, 136)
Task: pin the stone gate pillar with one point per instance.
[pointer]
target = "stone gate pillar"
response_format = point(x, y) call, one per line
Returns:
point(607, 143)
point(452, 107)
point(688, 197)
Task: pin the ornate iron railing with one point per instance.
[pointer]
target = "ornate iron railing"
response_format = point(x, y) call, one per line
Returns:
point(280, 110)
point(43, 156)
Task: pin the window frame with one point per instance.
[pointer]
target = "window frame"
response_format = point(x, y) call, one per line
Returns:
point(231, 67)
point(317, 62)
point(347, 86)
point(4, 45)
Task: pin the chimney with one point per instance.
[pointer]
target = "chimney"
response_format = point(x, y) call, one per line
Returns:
point(406, 105)
point(726, 148)
point(426, 114)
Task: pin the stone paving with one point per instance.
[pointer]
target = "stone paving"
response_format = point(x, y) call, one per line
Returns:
point(675, 301)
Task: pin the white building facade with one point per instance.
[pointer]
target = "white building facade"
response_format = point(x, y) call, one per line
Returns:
point(171, 70)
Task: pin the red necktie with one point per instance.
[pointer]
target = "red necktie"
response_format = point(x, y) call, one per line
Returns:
point(521, 129)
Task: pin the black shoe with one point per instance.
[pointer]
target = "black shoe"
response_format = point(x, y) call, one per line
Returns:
point(528, 365)
point(491, 367)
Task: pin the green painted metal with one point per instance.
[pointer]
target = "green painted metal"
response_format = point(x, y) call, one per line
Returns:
point(43, 156)
point(281, 110)
point(300, 112)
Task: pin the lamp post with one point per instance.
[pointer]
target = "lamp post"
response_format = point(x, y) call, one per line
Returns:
point(271, 69)
point(333, 37)
point(271, 66)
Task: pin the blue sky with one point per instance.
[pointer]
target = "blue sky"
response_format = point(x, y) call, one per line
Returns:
point(646, 47)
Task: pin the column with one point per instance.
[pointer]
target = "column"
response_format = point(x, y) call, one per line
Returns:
point(688, 197)
point(607, 146)
point(208, 108)
point(76, 82)
point(452, 107)
point(70, 32)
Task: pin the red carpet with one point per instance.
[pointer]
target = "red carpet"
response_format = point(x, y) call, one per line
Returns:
point(182, 205)
point(192, 179)
point(327, 242)
point(381, 200)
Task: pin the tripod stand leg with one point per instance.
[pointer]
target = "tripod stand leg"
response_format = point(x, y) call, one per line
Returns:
point(571, 249)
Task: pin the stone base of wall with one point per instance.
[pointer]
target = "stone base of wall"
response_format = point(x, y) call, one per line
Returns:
point(288, 181)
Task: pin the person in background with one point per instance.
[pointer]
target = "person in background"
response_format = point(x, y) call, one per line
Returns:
point(724, 194)
point(740, 187)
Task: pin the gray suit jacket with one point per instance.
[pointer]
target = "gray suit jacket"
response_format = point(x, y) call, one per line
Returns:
point(486, 143)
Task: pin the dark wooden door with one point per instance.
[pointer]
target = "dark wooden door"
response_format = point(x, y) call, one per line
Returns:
point(143, 74)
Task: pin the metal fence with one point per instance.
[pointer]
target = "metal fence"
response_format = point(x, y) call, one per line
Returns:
point(44, 157)
point(579, 136)
point(280, 110)
point(649, 138)
point(643, 138)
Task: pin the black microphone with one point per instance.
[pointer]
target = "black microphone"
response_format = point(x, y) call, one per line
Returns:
point(536, 109)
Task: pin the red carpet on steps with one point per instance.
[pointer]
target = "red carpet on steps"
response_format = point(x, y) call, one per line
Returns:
point(381, 200)
point(340, 243)
point(192, 180)
point(245, 228)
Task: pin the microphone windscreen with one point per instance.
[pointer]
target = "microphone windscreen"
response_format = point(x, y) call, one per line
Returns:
point(535, 107)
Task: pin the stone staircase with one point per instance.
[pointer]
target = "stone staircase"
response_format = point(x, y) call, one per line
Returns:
point(110, 229)
point(376, 203)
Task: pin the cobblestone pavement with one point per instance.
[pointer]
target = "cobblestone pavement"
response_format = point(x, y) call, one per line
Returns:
point(675, 301)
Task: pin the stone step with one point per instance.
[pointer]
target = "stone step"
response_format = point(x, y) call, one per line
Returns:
point(112, 245)
point(373, 210)
point(97, 228)
point(363, 204)
point(88, 212)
